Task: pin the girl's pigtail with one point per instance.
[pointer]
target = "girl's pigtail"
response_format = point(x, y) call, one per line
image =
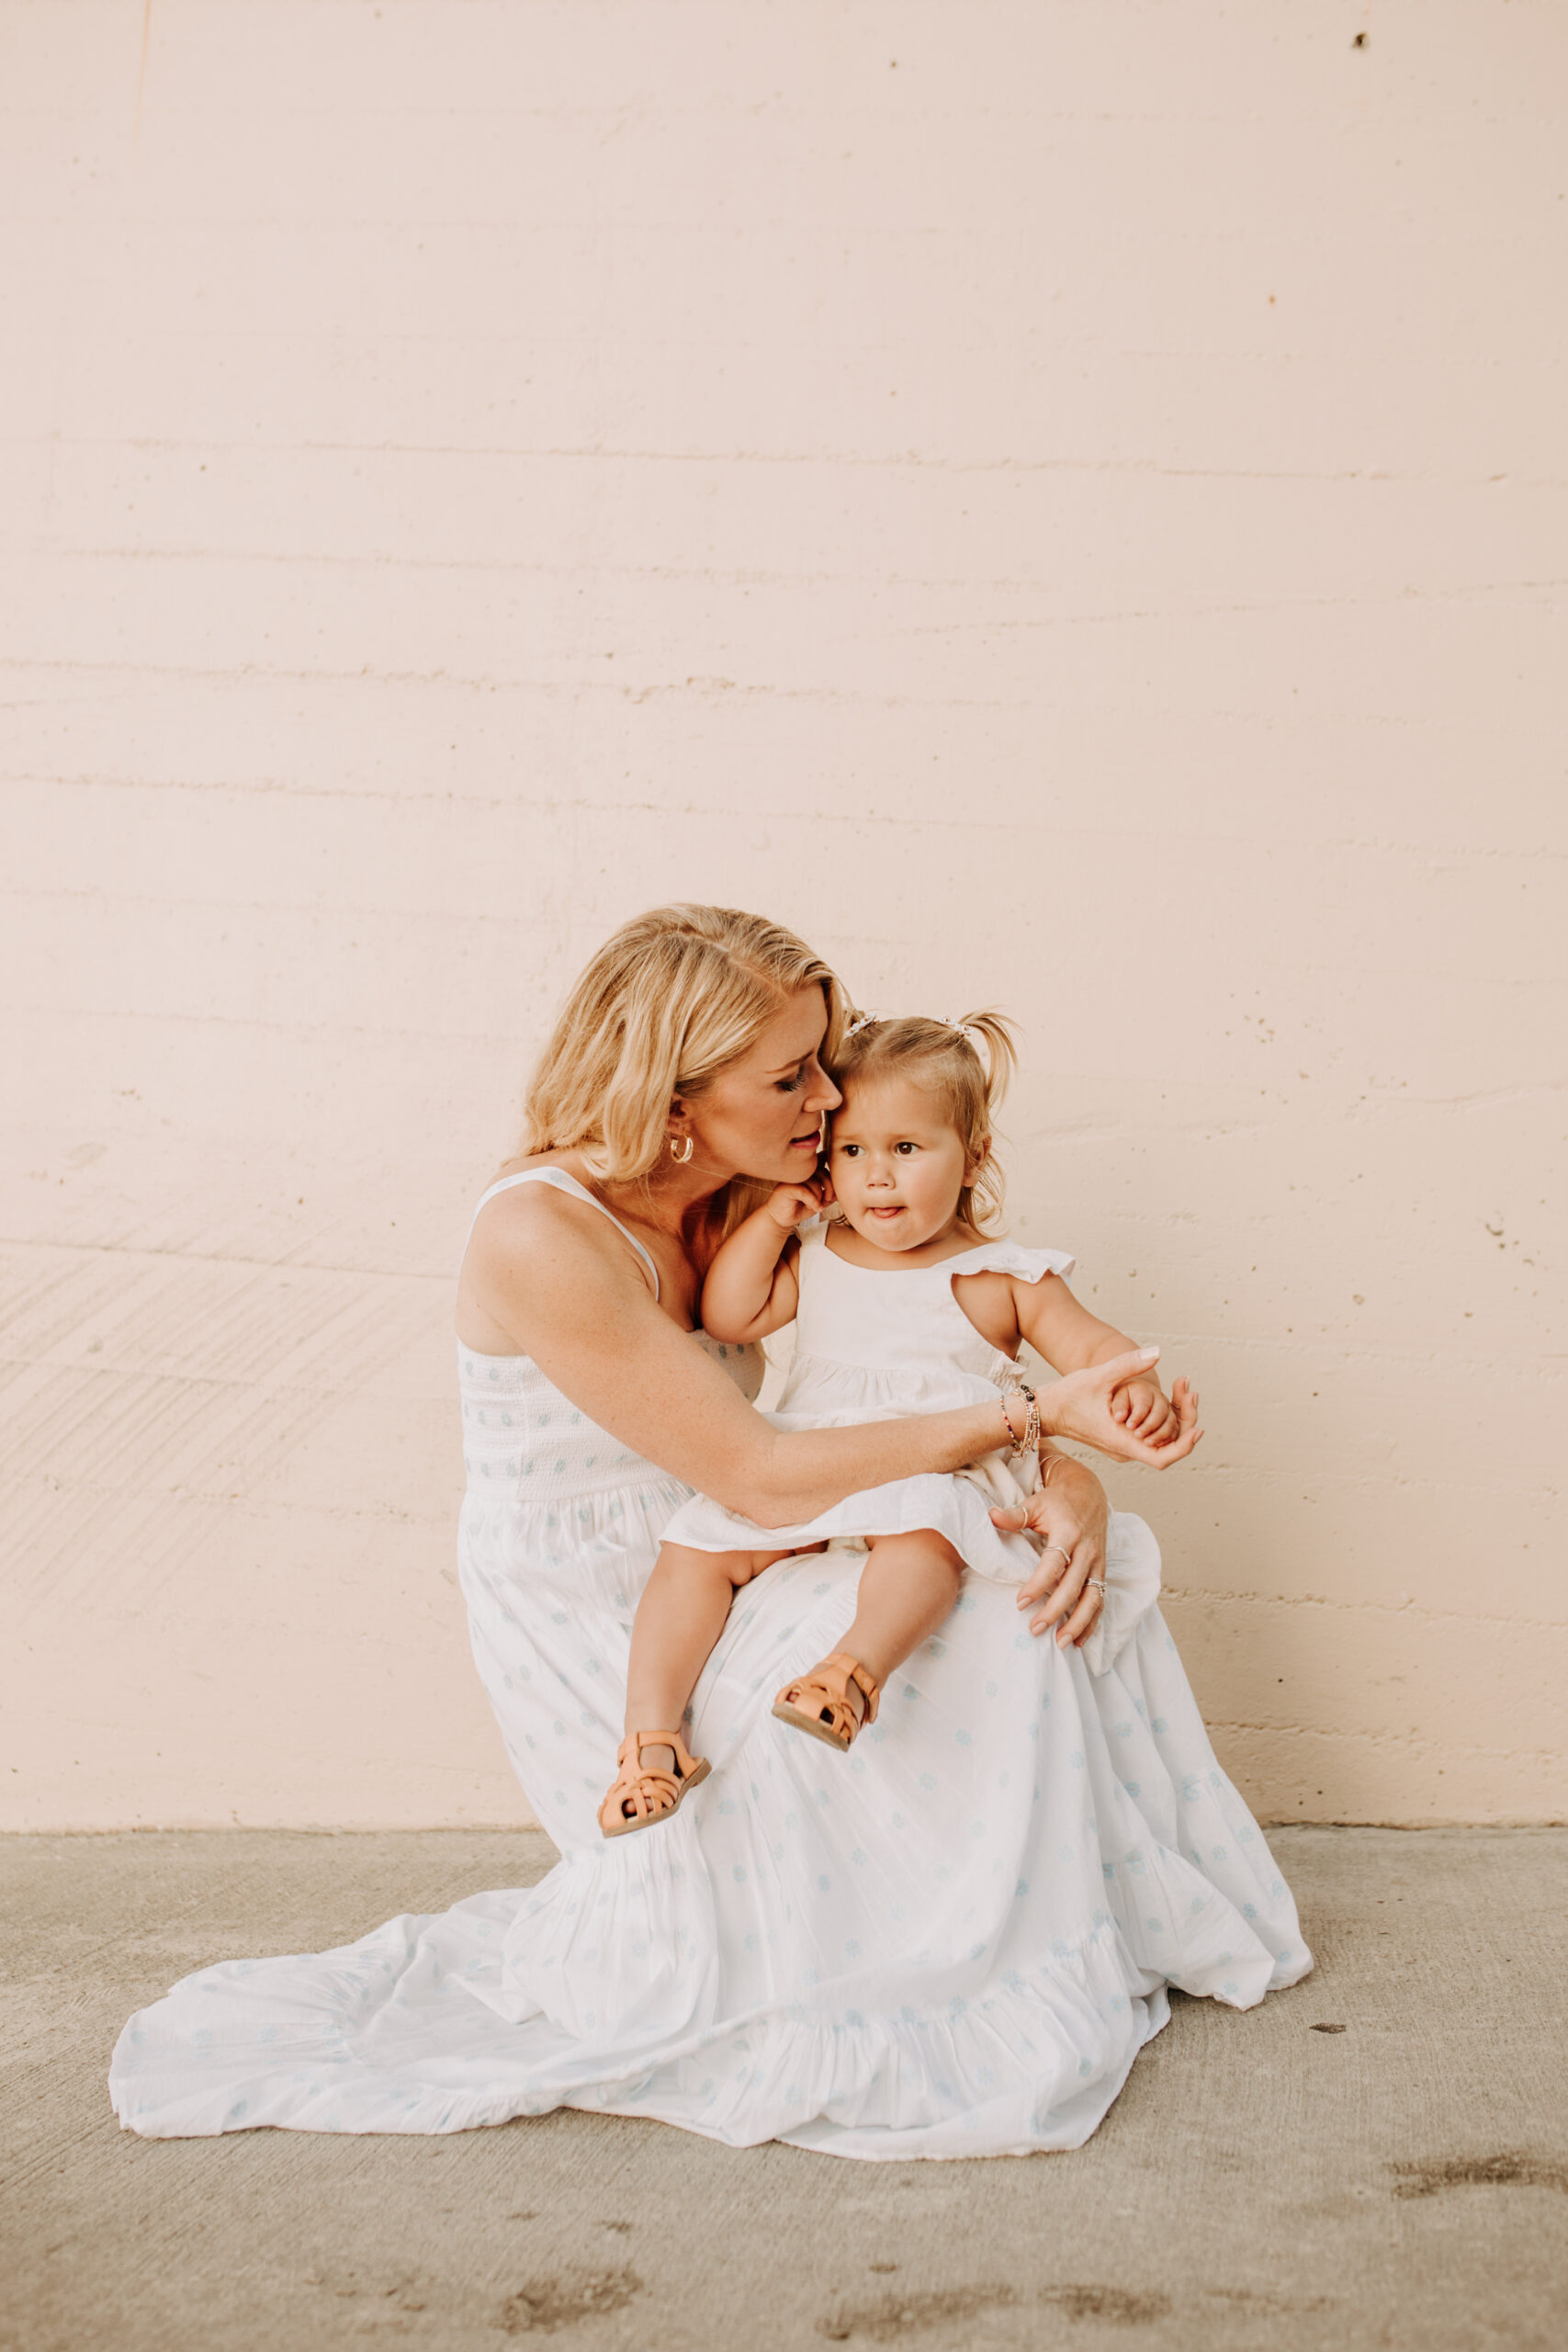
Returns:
point(1001, 1055)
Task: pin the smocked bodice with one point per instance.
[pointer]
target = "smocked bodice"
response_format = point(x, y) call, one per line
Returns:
point(902, 1327)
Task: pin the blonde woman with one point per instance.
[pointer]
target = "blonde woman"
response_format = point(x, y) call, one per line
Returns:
point(887, 1960)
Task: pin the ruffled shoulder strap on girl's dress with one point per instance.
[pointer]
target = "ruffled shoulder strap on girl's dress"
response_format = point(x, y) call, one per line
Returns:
point(1010, 1257)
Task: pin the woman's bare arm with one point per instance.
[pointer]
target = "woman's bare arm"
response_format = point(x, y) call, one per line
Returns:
point(568, 1289)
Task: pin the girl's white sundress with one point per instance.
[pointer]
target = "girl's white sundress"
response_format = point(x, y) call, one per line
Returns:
point(873, 1345)
point(950, 1942)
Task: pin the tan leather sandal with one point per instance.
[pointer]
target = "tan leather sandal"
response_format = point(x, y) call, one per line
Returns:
point(653, 1793)
point(819, 1702)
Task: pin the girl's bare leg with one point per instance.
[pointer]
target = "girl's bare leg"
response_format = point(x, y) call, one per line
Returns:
point(908, 1587)
point(679, 1619)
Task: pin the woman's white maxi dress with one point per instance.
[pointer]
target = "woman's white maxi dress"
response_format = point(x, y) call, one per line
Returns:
point(950, 1942)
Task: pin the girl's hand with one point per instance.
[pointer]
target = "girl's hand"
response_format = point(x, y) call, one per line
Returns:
point(1072, 1515)
point(1079, 1406)
point(1145, 1410)
point(790, 1205)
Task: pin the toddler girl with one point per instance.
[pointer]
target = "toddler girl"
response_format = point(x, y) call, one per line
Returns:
point(900, 1306)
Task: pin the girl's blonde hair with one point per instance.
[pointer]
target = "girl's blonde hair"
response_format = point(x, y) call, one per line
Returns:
point(672, 998)
point(941, 1057)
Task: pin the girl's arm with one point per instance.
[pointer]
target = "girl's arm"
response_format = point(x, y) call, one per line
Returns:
point(1069, 1337)
point(752, 1288)
point(1072, 1340)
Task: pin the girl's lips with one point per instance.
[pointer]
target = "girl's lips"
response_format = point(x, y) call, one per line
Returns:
point(890, 1212)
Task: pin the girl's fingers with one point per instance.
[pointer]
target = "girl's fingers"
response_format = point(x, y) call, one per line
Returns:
point(1179, 1443)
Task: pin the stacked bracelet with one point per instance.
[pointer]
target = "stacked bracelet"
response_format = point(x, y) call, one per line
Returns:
point(1030, 1441)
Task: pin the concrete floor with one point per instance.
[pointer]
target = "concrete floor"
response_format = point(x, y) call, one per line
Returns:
point(1402, 2182)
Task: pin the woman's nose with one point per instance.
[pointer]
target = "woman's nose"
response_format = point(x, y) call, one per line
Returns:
point(822, 1095)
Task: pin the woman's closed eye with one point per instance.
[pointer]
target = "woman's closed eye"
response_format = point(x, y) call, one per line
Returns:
point(793, 1084)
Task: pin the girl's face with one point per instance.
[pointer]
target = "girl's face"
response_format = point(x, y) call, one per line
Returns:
point(763, 1114)
point(896, 1164)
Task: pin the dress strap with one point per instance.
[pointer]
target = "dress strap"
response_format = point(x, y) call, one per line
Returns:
point(564, 1182)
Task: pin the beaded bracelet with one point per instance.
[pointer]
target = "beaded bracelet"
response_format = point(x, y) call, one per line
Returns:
point(1030, 1441)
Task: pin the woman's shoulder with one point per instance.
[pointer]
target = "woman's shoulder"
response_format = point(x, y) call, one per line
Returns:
point(538, 1225)
point(529, 1202)
point(531, 1192)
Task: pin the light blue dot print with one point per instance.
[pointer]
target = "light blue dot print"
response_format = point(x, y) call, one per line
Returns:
point(964, 1738)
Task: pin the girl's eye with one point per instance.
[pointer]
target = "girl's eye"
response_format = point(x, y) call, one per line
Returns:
point(906, 1146)
point(848, 1149)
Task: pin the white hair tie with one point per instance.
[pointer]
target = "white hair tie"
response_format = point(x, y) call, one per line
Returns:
point(938, 1019)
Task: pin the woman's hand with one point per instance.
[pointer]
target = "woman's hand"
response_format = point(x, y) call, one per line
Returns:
point(1079, 1405)
point(1072, 1514)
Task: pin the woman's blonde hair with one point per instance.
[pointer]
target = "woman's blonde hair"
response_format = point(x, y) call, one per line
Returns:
point(939, 1055)
point(672, 999)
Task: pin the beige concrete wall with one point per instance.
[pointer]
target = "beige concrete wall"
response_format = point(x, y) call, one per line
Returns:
point(1061, 504)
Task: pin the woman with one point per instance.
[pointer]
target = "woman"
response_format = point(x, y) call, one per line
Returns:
point(954, 1940)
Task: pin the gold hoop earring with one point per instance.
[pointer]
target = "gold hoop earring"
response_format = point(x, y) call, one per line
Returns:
point(682, 1152)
